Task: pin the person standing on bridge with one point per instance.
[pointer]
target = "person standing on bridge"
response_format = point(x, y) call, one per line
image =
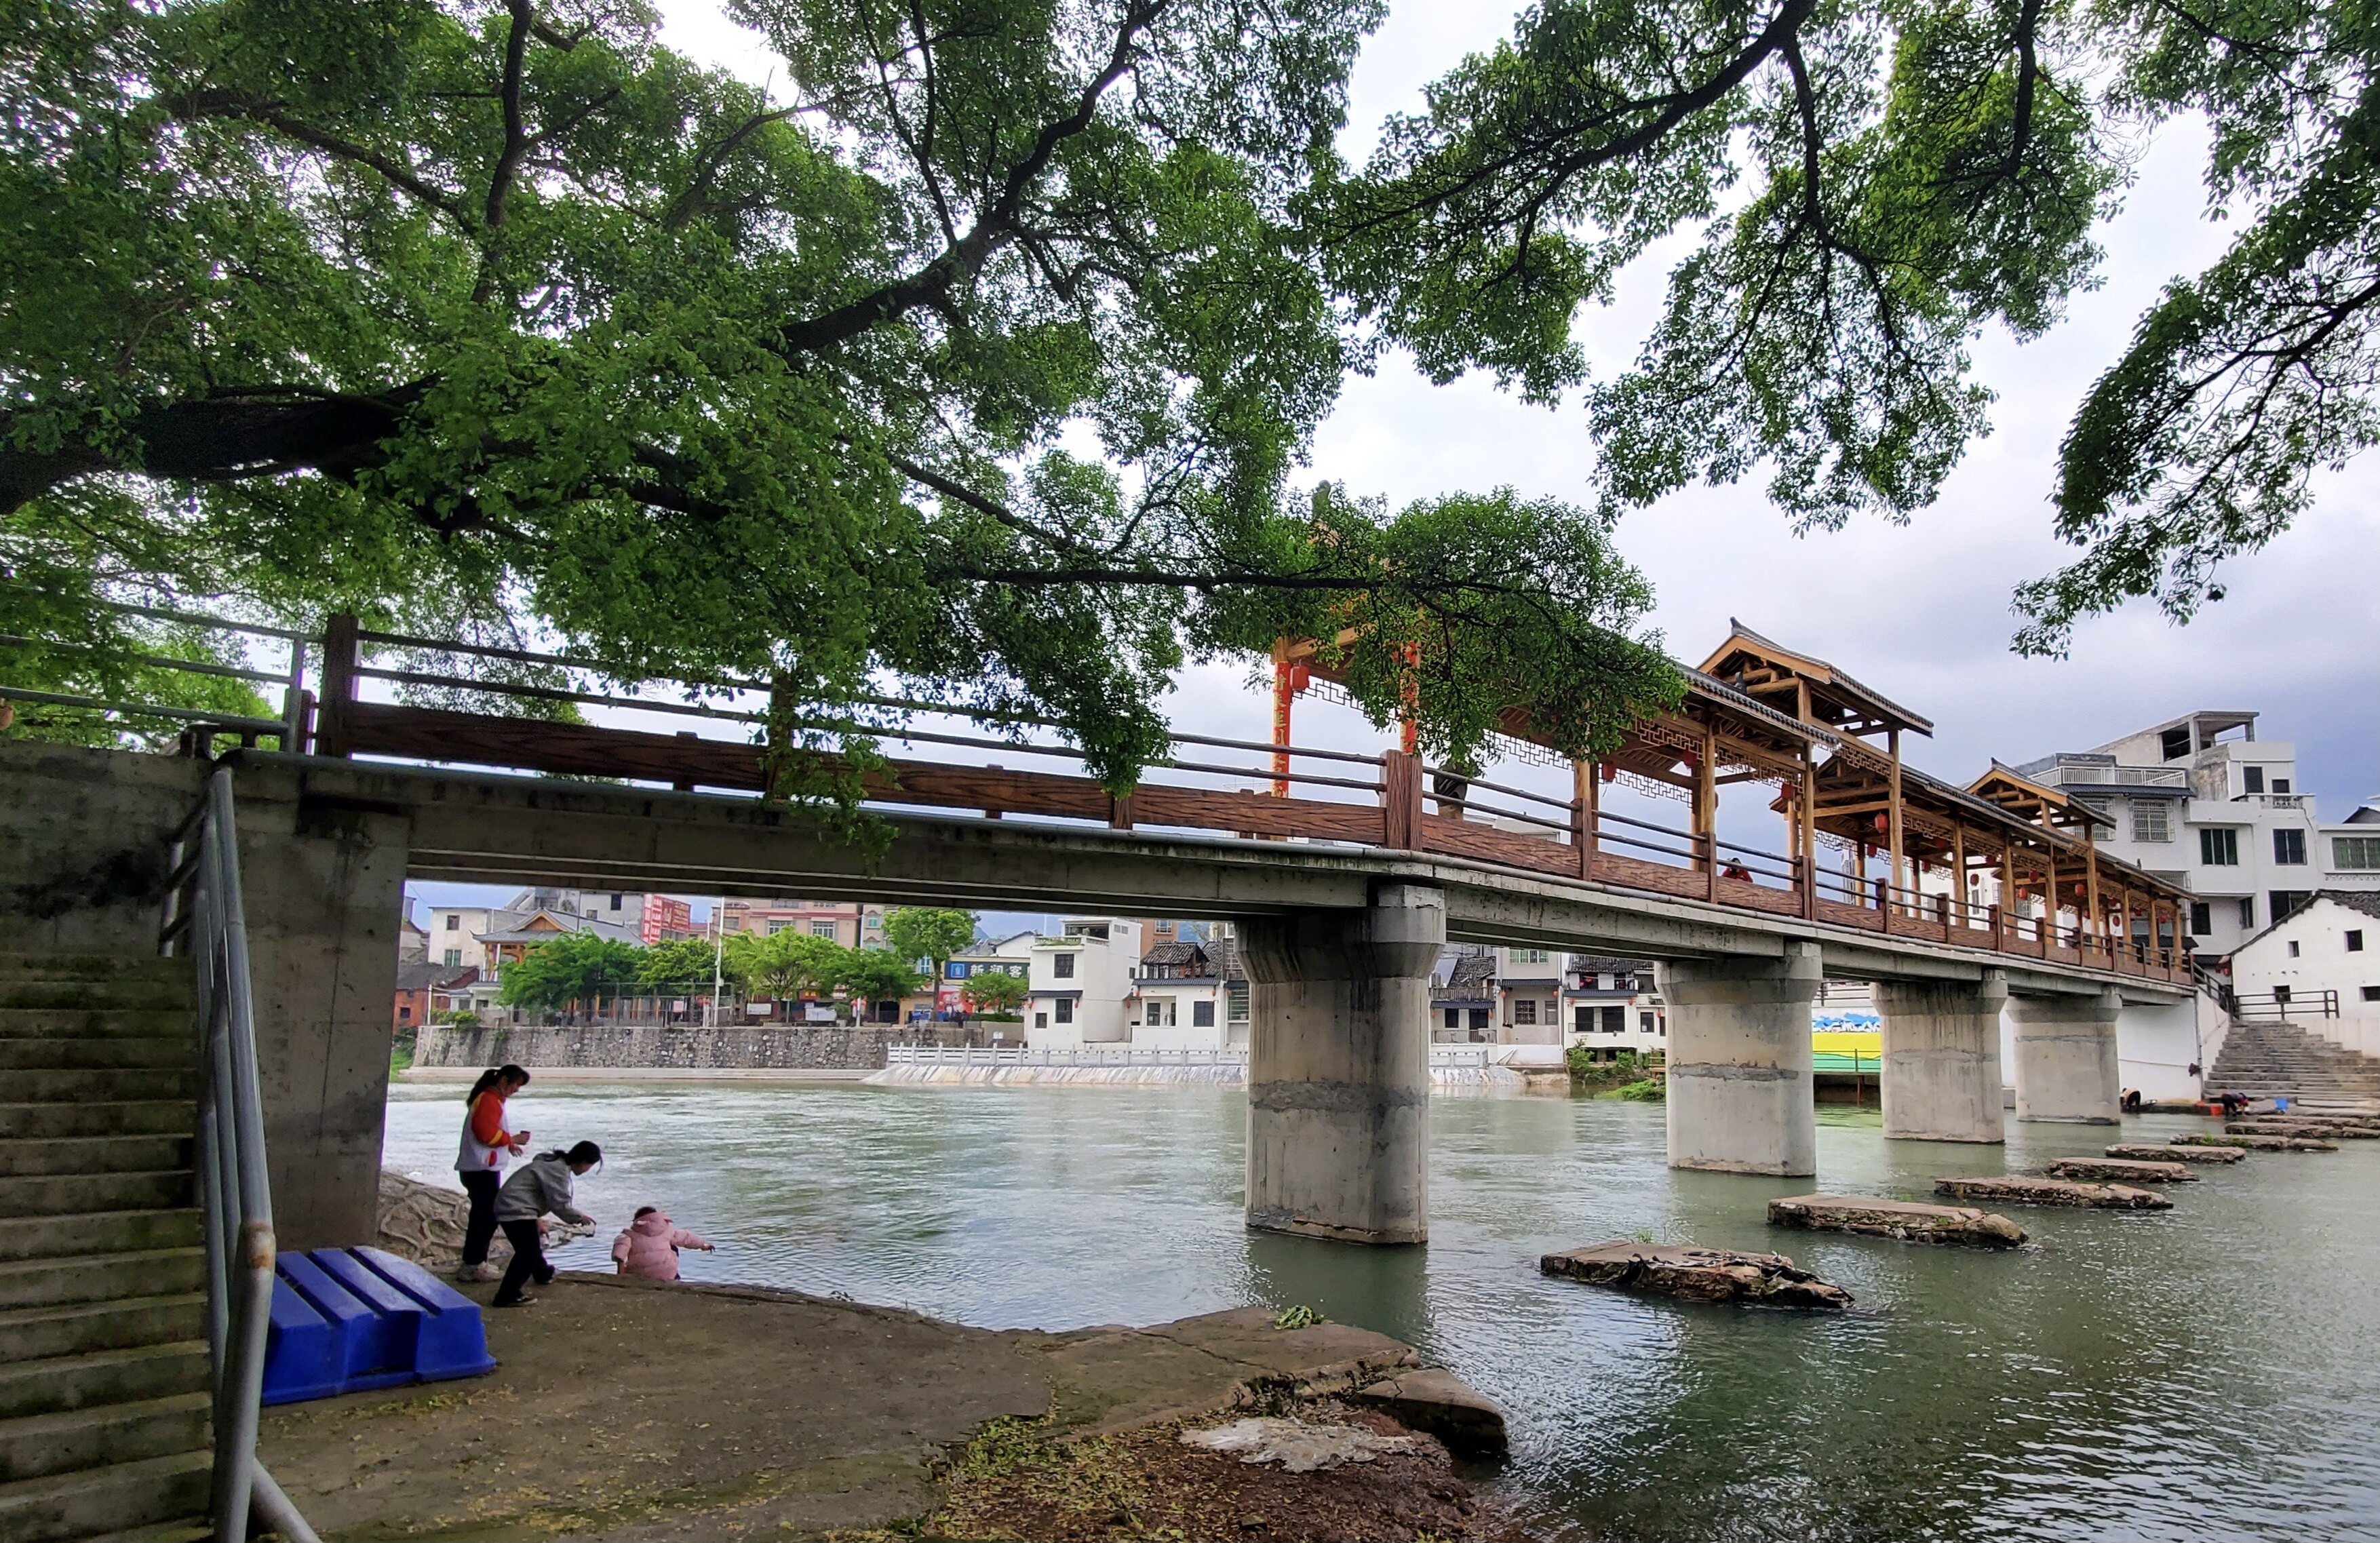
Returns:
point(546, 1185)
point(486, 1145)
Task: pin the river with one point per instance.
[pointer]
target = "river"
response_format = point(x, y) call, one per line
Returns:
point(2210, 1371)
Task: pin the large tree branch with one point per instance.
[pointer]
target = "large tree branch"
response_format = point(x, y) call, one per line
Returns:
point(516, 141)
point(993, 228)
point(398, 175)
point(961, 492)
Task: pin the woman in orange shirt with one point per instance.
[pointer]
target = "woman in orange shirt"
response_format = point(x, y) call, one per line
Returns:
point(486, 1145)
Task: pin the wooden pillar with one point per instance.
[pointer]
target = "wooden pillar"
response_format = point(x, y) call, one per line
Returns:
point(2049, 888)
point(1586, 807)
point(1959, 874)
point(1401, 801)
point(1281, 696)
point(2091, 878)
point(341, 652)
point(1893, 836)
point(1707, 809)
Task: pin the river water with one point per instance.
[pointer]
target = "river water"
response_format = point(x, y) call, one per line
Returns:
point(2213, 1371)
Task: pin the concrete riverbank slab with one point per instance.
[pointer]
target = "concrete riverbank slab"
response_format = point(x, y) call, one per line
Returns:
point(630, 1410)
point(2142, 1152)
point(2017, 1190)
point(1909, 1220)
point(1696, 1274)
point(2123, 1170)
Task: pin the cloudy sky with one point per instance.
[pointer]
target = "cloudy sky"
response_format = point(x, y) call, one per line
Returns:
point(1921, 611)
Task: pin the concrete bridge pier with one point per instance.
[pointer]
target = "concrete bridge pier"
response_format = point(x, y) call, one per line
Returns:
point(2066, 1067)
point(1942, 1058)
point(1339, 1067)
point(1739, 1076)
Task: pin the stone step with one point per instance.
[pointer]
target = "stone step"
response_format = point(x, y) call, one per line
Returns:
point(52, 1121)
point(63, 1193)
point(92, 966)
point(99, 995)
point(97, 1052)
point(64, 1278)
point(91, 1023)
point(194, 1530)
point(35, 1446)
point(92, 1154)
point(115, 1499)
point(101, 1376)
point(114, 1231)
point(39, 1333)
point(112, 1085)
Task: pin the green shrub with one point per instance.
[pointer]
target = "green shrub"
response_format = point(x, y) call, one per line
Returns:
point(1651, 1090)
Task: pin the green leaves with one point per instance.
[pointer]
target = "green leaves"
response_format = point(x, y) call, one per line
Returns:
point(574, 966)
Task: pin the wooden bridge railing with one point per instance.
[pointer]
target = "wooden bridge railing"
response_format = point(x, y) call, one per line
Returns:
point(1390, 800)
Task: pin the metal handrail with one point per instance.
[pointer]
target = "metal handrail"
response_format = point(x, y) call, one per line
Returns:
point(204, 920)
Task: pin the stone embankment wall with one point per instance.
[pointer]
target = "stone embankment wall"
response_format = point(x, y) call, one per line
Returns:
point(726, 1047)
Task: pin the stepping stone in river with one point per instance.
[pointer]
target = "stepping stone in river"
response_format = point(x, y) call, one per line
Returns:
point(2142, 1152)
point(1696, 1274)
point(2308, 1130)
point(2127, 1170)
point(2258, 1143)
point(1909, 1220)
point(2022, 1191)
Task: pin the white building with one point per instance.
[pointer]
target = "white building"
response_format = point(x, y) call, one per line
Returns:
point(1076, 983)
point(2320, 966)
point(2201, 801)
point(1190, 994)
point(1614, 1005)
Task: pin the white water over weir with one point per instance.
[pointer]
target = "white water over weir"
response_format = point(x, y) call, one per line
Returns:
point(1452, 1067)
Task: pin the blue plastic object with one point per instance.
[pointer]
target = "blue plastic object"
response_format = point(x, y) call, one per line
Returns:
point(348, 1320)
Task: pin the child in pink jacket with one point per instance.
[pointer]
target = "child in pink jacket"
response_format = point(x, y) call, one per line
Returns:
point(649, 1245)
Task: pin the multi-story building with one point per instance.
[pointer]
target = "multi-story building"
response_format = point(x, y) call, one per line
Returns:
point(1464, 997)
point(2319, 969)
point(854, 924)
point(1190, 994)
point(1529, 986)
point(1615, 1005)
point(2201, 801)
point(1076, 983)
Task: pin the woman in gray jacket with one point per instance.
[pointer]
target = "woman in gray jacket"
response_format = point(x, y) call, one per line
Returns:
point(545, 1185)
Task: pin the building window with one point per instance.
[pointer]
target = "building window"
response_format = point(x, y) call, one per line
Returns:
point(453, 956)
point(1531, 956)
point(2371, 993)
point(616, 903)
point(2285, 903)
point(2218, 847)
point(2201, 918)
point(1202, 1014)
point(2252, 778)
point(2175, 743)
point(1479, 1020)
point(2361, 852)
point(2247, 910)
point(822, 929)
point(1553, 1011)
point(1063, 966)
point(1161, 1013)
point(1454, 1018)
point(2293, 948)
point(1065, 1006)
point(1524, 1011)
point(455, 924)
point(404, 1014)
point(1644, 1022)
point(2151, 821)
point(1615, 1020)
point(2288, 848)
point(2355, 942)
point(1237, 1004)
point(2280, 785)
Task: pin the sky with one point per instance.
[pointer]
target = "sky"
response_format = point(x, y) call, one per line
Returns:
point(1920, 611)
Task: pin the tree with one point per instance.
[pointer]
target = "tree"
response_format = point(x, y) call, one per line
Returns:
point(787, 966)
point(916, 932)
point(505, 319)
point(875, 974)
point(1872, 188)
point(684, 965)
point(572, 967)
point(996, 991)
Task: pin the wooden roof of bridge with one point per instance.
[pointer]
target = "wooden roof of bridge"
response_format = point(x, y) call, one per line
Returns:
point(1760, 666)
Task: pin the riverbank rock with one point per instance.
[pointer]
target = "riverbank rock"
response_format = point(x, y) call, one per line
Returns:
point(2141, 1151)
point(1296, 1446)
point(2310, 1130)
point(2024, 1191)
point(2257, 1143)
point(1696, 1274)
point(1909, 1220)
point(2130, 1170)
point(1431, 1399)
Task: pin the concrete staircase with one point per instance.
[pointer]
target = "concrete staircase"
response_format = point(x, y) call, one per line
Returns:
point(104, 1402)
point(2281, 1060)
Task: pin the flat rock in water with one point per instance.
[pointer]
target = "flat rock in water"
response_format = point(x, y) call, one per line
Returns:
point(2133, 1170)
point(1911, 1220)
point(2310, 1130)
point(2258, 1143)
point(2144, 1152)
point(1696, 1274)
point(1436, 1401)
point(2021, 1191)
